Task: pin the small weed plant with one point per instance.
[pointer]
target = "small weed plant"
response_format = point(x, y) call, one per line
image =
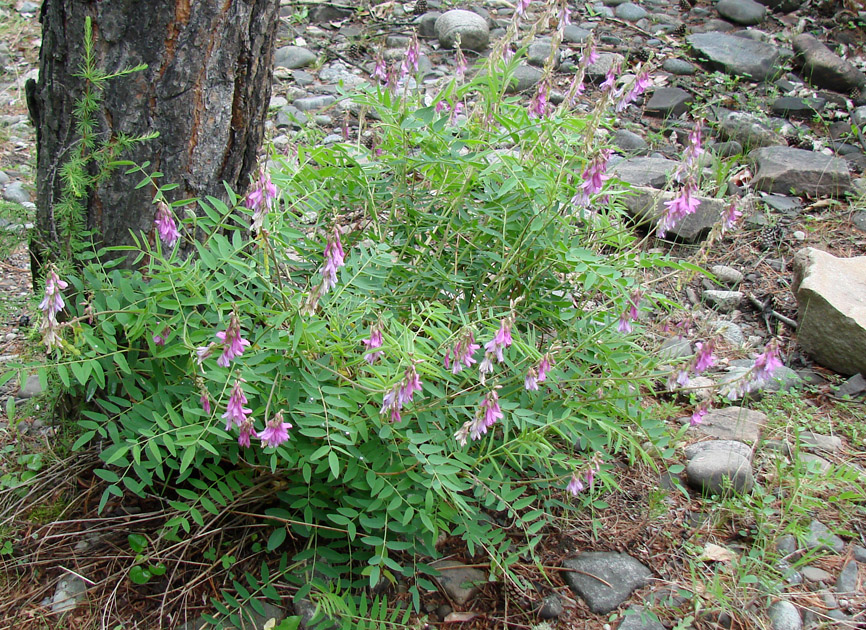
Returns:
point(430, 336)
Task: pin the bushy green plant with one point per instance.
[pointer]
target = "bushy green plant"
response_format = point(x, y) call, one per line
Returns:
point(454, 236)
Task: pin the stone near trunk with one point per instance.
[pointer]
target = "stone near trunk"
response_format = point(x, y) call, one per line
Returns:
point(293, 57)
point(470, 27)
point(786, 170)
point(621, 575)
point(16, 193)
point(459, 581)
point(831, 305)
point(824, 68)
point(745, 12)
point(733, 423)
point(329, 13)
point(668, 101)
point(749, 131)
point(310, 103)
point(647, 205)
point(737, 55)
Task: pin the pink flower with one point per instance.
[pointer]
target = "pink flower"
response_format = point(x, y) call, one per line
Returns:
point(624, 325)
point(730, 216)
point(530, 383)
point(375, 341)
point(276, 432)
point(334, 259)
point(490, 408)
point(204, 399)
point(544, 366)
point(522, 6)
point(233, 343)
point(766, 364)
point(53, 302)
point(235, 412)
point(460, 355)
point(410, 61)
point(159, 339)
point(575, 486)
point(593, 179)
point(698, 415)
point(678, 208)
point(641, 83)
point(380, 70)
point(589, 56)
point(704, 358)
point(166, 225)
point(411, 384)
point(694, 149)
point(501, 340)
point(246, 432)
point(538, 105)
point(203, 353)
point(609, 82)
point(462, 434)
point(461, 65)
point(261, 199)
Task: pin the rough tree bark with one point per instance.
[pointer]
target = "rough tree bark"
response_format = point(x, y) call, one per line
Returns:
point(206, 91)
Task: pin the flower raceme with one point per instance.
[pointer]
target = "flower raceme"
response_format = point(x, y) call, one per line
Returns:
point(401, 394)
point(487, 414)
point(51, 304)
point(165, 224)
point(593, 179)
point(373, 342)
point(233, 343)
point(334, 259)
point(236, 414)
point(678, 208)
point(276, 432)
point(261, 199)
point(460, 355)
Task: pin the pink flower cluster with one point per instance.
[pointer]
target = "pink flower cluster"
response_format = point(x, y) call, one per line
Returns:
point(276, 429)
point(334, 259)
point(51, 304)
point(166, 225)
point(495, 347)
point(641, 83)
point(233, 343)
point(538, 374)
point(401, 394)
point(593, 179)
point(678, 208)
point(703, 360)
point(539, 104)
point(460, 355)
point(487, 414)
point(261, 199)
point(373, 342)
point(583, 479)
point(630, 314)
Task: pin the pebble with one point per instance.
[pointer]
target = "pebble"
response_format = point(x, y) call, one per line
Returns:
point(551, 607)
point(573, 34)
point(723, 301)
point(820, 537)
point(459, 581)
point(310, 103)
point(715, 469)
point(630, 12)
point(621, 574)
point(4, 178)
point(679, 67)
point(784, 616)
point(847, 580)
point(70, 591)
point(745, 12)
point(470, 27)
point(727, 275)
point(293, 57)
point(815, 574)
point(16, 193)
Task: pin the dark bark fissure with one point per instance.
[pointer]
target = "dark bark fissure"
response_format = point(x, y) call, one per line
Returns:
point(206, 91)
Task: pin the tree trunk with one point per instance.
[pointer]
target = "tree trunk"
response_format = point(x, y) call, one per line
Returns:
point(206, 91)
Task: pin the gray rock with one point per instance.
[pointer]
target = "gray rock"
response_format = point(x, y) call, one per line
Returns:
point(859, 553)
point(675, 348)
point(814, 574)
point(291, 117)
point(782, 203)
point(745, 12)
point(16, 193)
point(30, 388)
point(727, 275)
point(4, 178)
point(28, 7)
point(538, 53)
point(730, 332)
point(736, 55)
point(293, 57)
point(338, 75)
point(858, 117)
point(723, 301)
point(668, 101)
point(524, 78)
point(629, 142)
point(636, 618)
point(798, 108)
point(730, 446)
point(749, 130)
point(621, 573)
point(597, 71)
point(733, 423)
point(645, 171)
point(702, 388)
point(647, 204)
point(427, 24)
point(306, 610)
point(329, 13)
point(832, 321)
point(820, 537)
point(310, 103)
point(459, 581)
point(848, 578)
point(70, 591)
point(784, 616)
point(573, 34)
point(853, 387)
point(828, 443)
point(824, 68)
point(811, 462)
point(630, 12)
point(726, 149)
point(786, 545)
point(714, 470)
point(470, 27)
point(679, 67)
point(551, 607)
point(302, 78)
point(786, 170)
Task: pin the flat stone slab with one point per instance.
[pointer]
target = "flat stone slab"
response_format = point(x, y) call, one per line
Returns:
point(623, 573)
point(668, 101)
point(786, 170)
point(459, 581)
point(737, 55)
point(750, 131)
point(645, 171)
point(733, 423)
point(831, 305)
point(745, 12)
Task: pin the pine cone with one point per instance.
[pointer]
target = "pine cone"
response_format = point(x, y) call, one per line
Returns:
point(680, 31)
point(356, 51)
point(642, 54)
point(771, 236)
point(686, 5)
point(420, 7)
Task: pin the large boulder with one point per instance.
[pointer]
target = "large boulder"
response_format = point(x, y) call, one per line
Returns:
point(824, 68)
point(786, 170)
point(469, 27)
point(831, 302)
